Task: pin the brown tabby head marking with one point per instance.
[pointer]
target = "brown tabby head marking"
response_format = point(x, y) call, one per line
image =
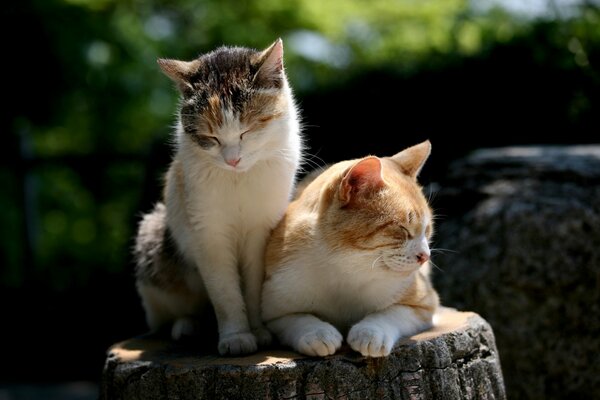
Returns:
point(229, 95)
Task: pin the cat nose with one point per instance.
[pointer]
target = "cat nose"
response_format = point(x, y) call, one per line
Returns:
point(422, 258)
point(233, 162)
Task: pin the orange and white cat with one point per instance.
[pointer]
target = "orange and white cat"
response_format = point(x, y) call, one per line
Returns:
point(350, 257)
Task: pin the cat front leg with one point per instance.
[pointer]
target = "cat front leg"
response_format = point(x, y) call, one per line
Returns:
point(376, 334)
point(307, 334)
point(218, 268)
point(253, 274)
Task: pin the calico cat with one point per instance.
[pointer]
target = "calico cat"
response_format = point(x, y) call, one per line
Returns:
point(350, 256)
point(238, 147)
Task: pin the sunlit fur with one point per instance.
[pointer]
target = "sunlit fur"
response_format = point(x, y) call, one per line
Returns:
point(344, 259)
point(237, 151)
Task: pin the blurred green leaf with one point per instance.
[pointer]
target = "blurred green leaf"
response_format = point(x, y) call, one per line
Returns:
point(108, 103)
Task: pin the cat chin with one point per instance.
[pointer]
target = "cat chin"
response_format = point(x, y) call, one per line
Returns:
point(402, 268)
point(233, 169)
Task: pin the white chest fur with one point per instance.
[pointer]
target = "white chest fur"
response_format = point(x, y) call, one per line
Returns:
point(340, 289)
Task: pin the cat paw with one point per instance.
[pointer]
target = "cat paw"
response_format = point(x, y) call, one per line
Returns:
point(263, 336)
point(370, 341)
point(237, 343)
point(322, 341)
point(183, 327)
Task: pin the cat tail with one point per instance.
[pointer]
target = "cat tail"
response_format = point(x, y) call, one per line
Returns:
point(149, 241)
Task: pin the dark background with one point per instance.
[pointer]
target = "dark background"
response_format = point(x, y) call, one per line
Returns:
point(86, 120)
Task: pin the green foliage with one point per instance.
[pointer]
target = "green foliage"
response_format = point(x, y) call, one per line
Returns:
point(110, 101)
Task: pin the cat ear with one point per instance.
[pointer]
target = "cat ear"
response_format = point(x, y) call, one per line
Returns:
point(271, 65)
point(179, 71)
point(364, 177)
point(411, 160)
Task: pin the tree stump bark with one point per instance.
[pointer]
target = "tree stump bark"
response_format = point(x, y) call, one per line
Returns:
point(457, 359)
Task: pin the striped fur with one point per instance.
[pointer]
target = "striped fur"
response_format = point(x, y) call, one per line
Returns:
point(238, 149)
point(349, 258)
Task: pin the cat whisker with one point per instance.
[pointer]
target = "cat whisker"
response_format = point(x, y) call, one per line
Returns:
point(306, 169)
point(437, 216)
point(282, 154)
point(436, 267)
point(309, 159)
point(440, 250)
point(287, 156)
point(312, 164)
point(313, 157)
point(374, 261)
point(310, 126)
point(433, 191)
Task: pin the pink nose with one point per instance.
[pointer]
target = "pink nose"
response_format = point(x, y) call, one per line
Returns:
point(233, 162)
point(422, 258)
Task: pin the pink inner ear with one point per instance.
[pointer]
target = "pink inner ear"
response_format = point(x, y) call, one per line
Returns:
point(365, 176)
point(272, 64)
point(179, 71)
point(274, 60)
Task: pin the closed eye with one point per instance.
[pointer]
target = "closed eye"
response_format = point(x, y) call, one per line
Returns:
point(407, 232)
point(400, 233)
point(243, 133)
point(215, 139)
point(207, 141)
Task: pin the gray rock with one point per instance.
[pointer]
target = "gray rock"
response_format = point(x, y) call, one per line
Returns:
point(457, 359)
point(525, 225)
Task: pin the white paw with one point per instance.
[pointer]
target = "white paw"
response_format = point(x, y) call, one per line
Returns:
point(321, 341)
point(263, 336)
point(237, 343)
point(370, 341)
point(183, 327)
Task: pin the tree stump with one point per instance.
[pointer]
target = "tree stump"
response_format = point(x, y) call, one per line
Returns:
point(457, 359)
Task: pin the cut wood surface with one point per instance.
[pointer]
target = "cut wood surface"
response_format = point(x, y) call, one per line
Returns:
point(456, 359)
